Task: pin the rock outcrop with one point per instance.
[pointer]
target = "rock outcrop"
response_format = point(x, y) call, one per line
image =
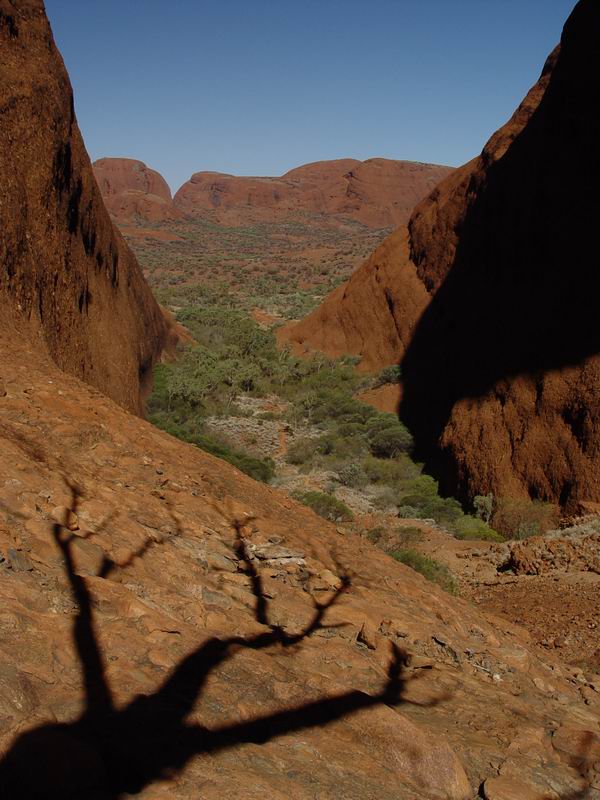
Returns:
point(65, 269)
point(378, 192)
point(132, 191)
point(488, 299)
point(165, 640)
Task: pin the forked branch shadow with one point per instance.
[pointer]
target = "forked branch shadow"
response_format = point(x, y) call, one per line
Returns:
point(109, 752)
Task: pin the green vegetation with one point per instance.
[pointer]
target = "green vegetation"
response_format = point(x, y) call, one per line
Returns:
point(519, 518)
point(387, 375)
point(428, 568)
point(362, 447)
point(283, 267)
point(326, 506)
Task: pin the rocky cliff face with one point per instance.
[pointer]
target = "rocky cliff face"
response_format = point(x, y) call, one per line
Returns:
point(65, 269)
point(132, 191)
point(378, 192)
point(488, 299)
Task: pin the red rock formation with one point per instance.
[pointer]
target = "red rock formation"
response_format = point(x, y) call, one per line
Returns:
point(489, 301)
point(64, 267)
point(132, 191)
point(378, 192)
point(170, 628)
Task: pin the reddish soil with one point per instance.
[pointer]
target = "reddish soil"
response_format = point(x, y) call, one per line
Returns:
point(560, 612)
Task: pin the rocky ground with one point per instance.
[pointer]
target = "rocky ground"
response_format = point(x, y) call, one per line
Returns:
point(547, 584)
point(289, 704)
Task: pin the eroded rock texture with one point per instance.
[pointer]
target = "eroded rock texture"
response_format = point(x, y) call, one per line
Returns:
point(64, 267)
point(489, 300)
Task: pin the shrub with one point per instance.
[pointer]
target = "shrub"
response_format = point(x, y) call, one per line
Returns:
point(484, 506)
point(374, 534)
point(428, 568)
point(302, 450)
point(387, 499)
point(391, 374)
point(257, 468)
point(518, 518)
point(390, 472)
point(352, 475)
point(408, 535)
point(326, 506)
point(409, 512)
point(467, 527)
point(391, 442)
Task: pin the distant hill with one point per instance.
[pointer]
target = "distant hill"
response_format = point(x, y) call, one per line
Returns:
point(132, 191)
point(378, 192)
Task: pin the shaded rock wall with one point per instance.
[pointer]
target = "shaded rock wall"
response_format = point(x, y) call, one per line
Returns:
point(489, 301)
point(64, 267)
point(501, 375)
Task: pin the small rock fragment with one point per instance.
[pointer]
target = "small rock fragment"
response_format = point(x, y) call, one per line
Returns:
point(367, 636)
point(65, 517)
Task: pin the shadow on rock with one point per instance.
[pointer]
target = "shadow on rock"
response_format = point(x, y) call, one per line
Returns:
point(107, 752)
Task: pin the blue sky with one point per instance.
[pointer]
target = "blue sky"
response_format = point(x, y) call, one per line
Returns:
point(256, 87)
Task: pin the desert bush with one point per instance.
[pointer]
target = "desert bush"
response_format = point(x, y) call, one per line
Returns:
point(387, 375)
point(391, 442)
point(390, 472)
point(467, 527)
point(408, 535)
point(374, 535)
point(409, 512)
point(352, 475)
point(326, 506)
point(257, 468)
point(518, 518)
point(428, 568)
point(386, 500)
point(484, 506)
point(302, 450)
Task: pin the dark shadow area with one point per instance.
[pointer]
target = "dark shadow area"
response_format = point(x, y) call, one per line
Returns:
point(108, 753)
point(520, 297)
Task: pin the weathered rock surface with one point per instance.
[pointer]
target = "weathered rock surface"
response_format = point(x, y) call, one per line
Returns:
point(378, 192)
point(132, 191)
point(65, 269)
point(158, 559)
point(488, 299)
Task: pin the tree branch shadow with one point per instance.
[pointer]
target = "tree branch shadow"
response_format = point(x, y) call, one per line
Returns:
point(108, 752)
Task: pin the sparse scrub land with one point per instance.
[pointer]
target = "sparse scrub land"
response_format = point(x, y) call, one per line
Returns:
point(331, 432)
point(283, 267)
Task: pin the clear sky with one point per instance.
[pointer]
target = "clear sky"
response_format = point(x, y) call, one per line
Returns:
point(256, 87)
